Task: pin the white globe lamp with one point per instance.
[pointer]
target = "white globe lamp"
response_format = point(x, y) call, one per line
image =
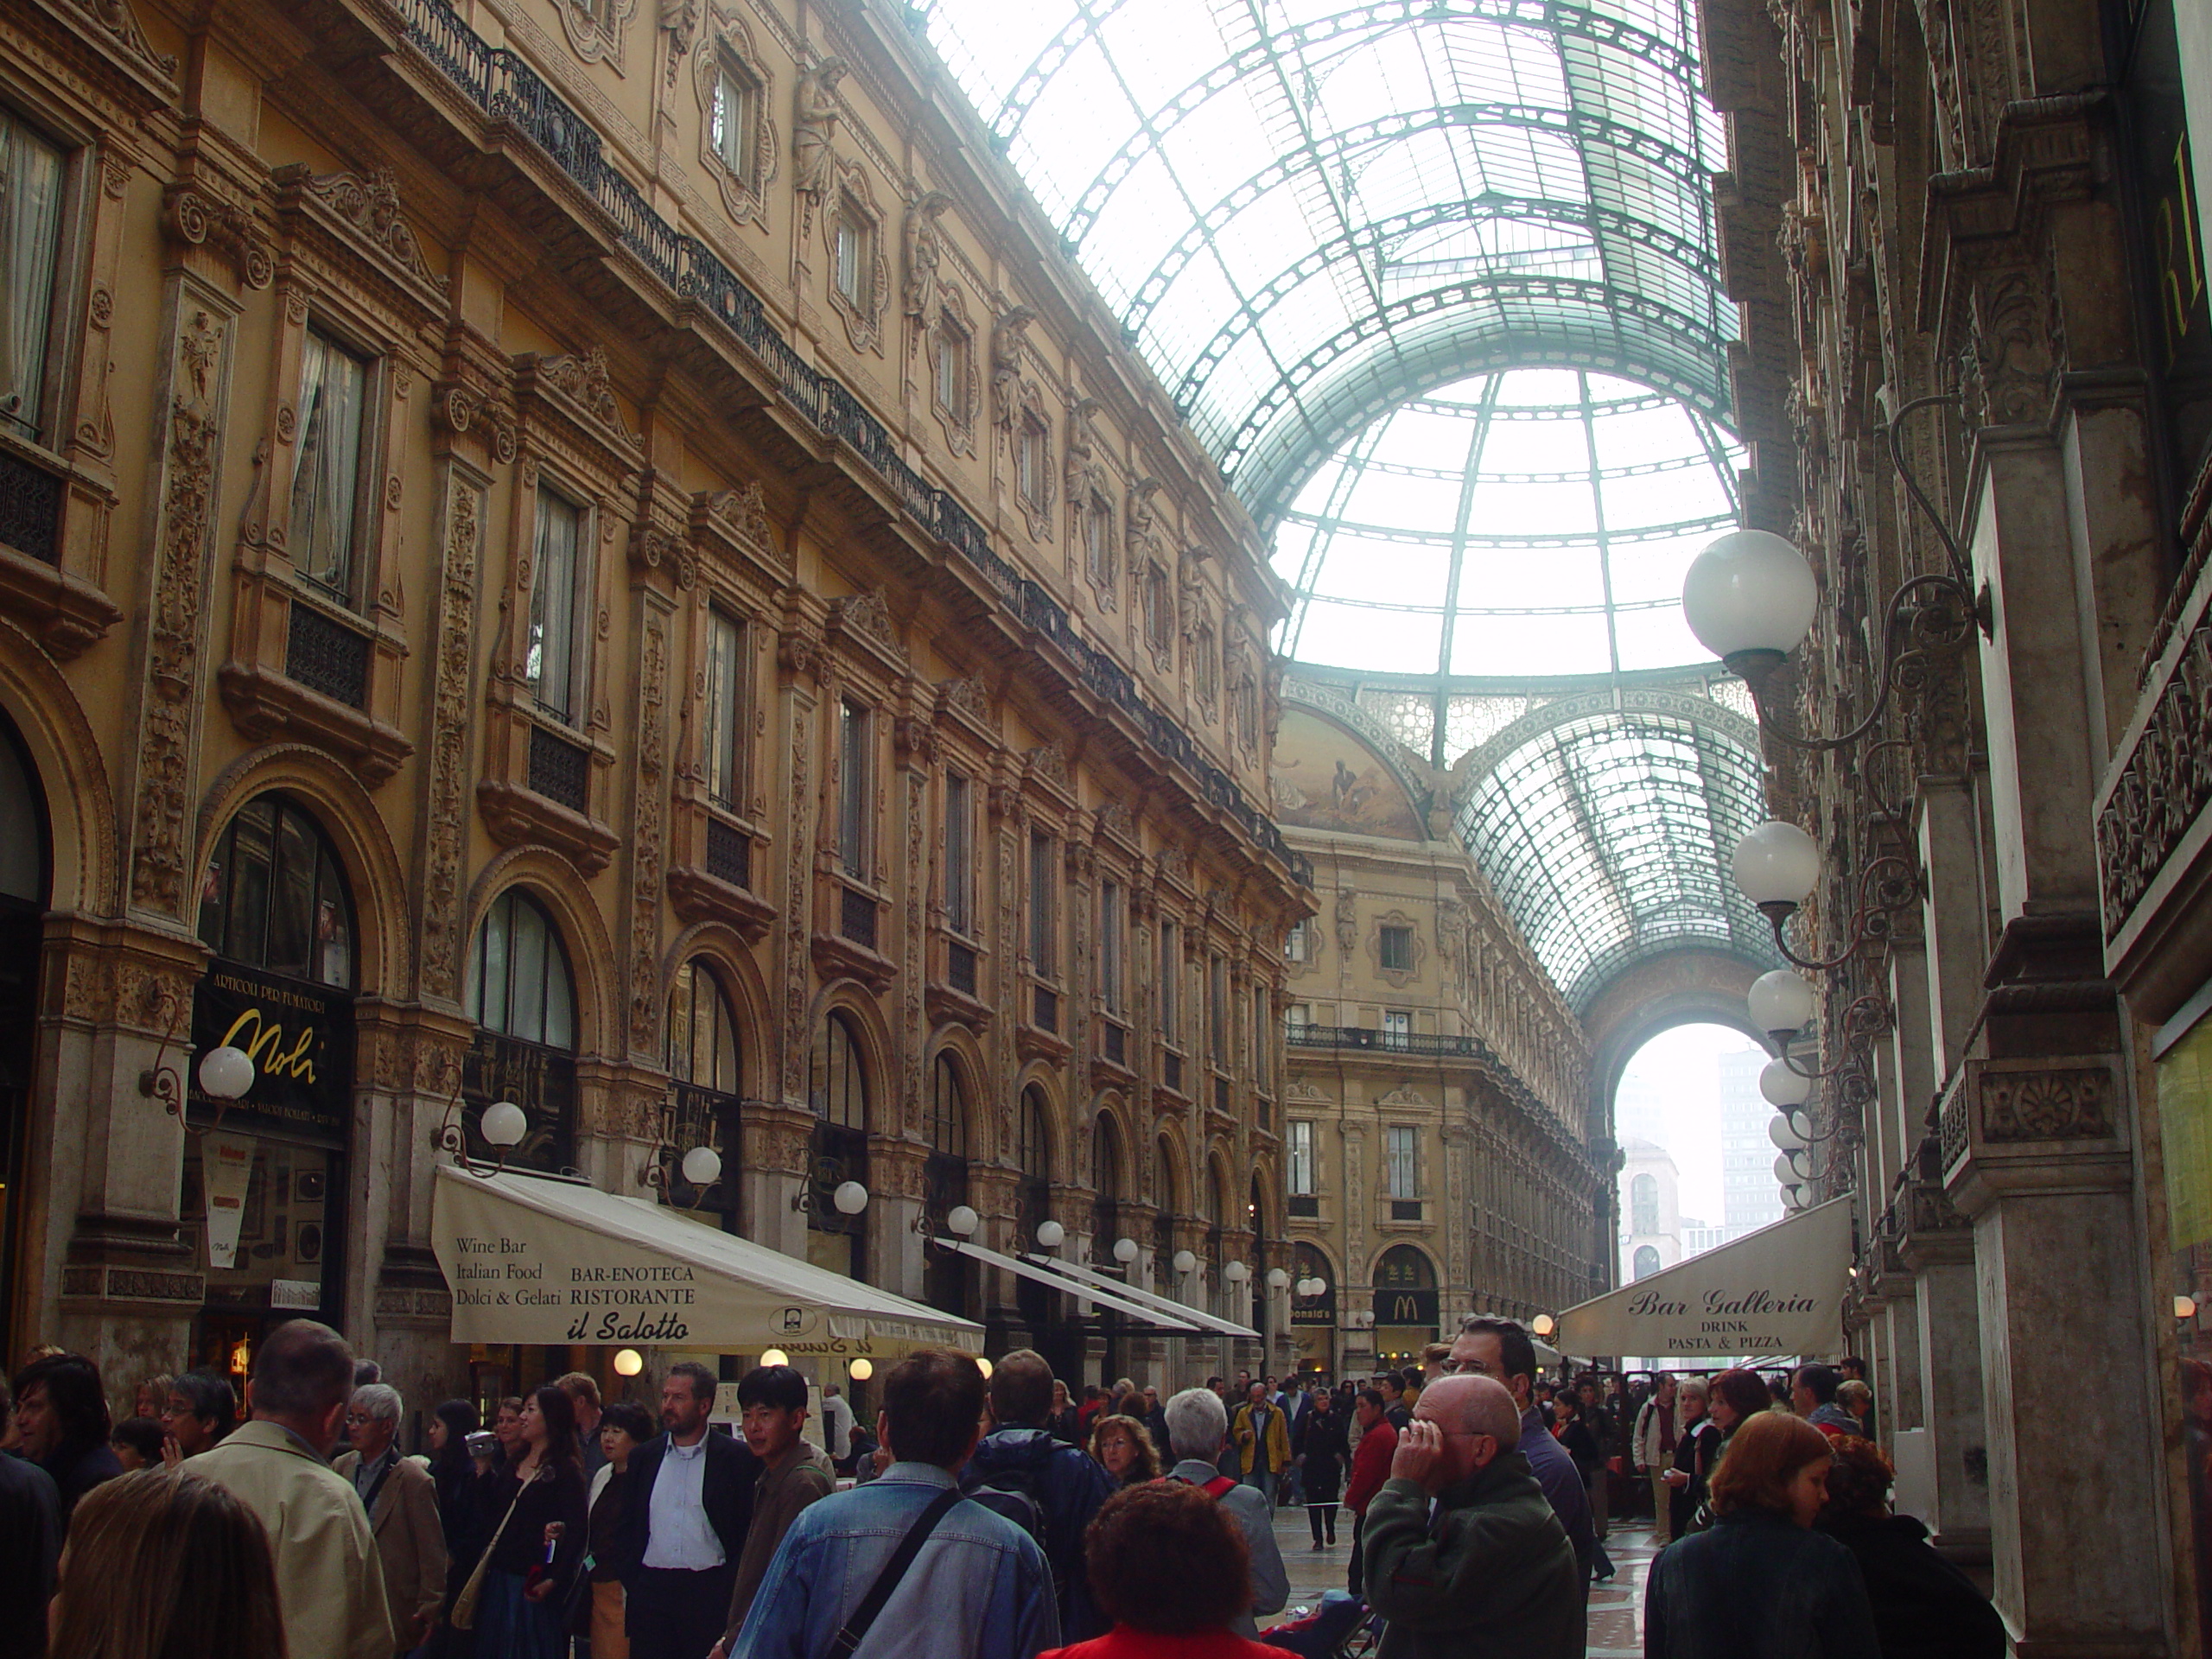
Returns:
point(1277, 1279)
point(1236, 1272)
point(1780, 1001)
point(1777, 865)
point(1182, 1262)
point(703, 1165)
point(860, 1370)
point(1750, 597)
point(1783, 1133)
point(775, 1357)
point(1782, 1084)
point(503, 1125)
point(1051, 1234)
point(1125, 1250)
point(962, 1221)
point(850, 1198)
point(226, 1073)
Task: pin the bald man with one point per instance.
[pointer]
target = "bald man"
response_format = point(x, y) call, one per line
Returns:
point(1465, 1557)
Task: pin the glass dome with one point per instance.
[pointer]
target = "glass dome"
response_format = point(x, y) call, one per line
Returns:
point(1535, 523)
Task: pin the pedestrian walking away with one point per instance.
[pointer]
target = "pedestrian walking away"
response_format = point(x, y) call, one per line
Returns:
point(1197, 1428)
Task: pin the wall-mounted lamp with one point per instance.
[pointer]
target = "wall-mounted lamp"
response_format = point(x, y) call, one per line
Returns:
point(1312, 1287)
point(1278, 1280)
point(1182, 1262)
point(774, 1357)
point(860, 1370)
point(1236, 1272)
point(1051, 1234)
point(226, 1073)
point(1125, 1250)
point(1545, 1326)
point(1777, 866)
point(628, 1361)
point(847, 1199)
point(1751, 598)
point(702, 1166)
point(503, 1126)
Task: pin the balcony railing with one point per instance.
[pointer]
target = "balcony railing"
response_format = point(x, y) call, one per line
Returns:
point(1417, 1043)
point(729, 854)
point(506, 88)
point(857, 918)
point(560, 770)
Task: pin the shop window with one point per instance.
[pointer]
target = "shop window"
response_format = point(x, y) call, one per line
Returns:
point(273, 897)
point(32, 175)
point(327, 464)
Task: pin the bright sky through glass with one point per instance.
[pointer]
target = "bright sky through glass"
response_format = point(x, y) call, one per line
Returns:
point(1304, 211)
point(1525, 523)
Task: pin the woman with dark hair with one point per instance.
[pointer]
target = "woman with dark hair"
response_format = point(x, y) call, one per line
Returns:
point(1924, 1607)
point(1733, 1398)
point(538, 1537)
point(461, 1478)
point(1760, 1580)
point(1319, 1445)
point(136, 1443)
point(623, 1427)
point(1170, 1569)
point(62, 1417)
point(167, 1565)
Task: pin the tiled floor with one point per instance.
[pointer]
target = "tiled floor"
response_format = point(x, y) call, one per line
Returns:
point(1616, 1608)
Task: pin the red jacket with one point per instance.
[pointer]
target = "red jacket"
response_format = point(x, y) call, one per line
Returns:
point(1371, 1466)
point(1124, 1643)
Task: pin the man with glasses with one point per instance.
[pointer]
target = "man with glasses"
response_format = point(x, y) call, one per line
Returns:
point(402, 1504)
point(1488, 1568)
point(1500, 1349)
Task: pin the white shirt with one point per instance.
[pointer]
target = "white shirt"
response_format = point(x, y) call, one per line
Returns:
point(677, 1534)
point(837, 1424)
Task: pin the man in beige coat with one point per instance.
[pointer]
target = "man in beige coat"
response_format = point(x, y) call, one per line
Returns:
point(402, 1505)
point(327, 1582)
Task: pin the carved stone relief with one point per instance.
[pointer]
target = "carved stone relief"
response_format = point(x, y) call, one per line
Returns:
point(814, 131)
point(595, 28)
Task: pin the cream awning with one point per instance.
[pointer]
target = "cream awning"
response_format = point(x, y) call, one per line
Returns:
point(1112, 1299)
point(1777, 1292)
point(1086, 1276)
point(539, 1261)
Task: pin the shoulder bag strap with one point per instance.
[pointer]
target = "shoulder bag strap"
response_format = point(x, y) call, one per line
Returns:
point(856, 1628)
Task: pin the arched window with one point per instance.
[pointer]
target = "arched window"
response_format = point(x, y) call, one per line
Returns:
point(1647, 1262)
point(1036, 1148)
point(1405, 1304)
point(705, 1079)
point(837, 1087)
point(274, 897)
point(523, 1003)
point(702, 1031)
point(944, 1183)
point(518, 985)
point(1644, 1204)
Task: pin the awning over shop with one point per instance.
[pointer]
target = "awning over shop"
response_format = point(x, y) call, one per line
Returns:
point(541, 1260)
point(1086, 1276)
point(1113, 1299)
point(1776, 1291)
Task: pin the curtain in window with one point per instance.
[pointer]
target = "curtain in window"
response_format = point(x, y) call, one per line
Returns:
point(332, 387)
point(30, 232)
point(549, 664)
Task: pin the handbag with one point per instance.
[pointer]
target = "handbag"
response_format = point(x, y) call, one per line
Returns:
point(463, 1616)
point(856, 1628)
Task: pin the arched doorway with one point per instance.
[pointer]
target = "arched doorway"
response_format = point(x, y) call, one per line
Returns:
point(706, 1087)
point(26, 881)
point(946, 1275)
point(522, 998)
point(1406, 1314)
point(263, 1195)
point(837, 1089)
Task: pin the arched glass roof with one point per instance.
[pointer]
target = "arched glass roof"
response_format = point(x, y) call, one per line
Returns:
point(1605, 823)
point(1305, 212)
point(1531, 523)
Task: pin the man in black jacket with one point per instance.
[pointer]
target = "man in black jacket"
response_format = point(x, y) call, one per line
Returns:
point(1019, 1466)
point(683, 1520)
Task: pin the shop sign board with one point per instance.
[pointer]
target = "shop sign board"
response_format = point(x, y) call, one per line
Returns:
point(300, 1038)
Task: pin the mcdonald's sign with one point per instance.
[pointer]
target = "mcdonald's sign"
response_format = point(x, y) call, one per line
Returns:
point(1405, 1304)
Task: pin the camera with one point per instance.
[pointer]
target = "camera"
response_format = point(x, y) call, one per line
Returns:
point(482, 1445)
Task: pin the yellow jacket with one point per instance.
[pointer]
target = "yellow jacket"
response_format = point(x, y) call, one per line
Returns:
point(1277, 1453)
point(329, 1582)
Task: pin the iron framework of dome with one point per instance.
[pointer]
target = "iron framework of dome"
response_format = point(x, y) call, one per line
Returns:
point(1305, 212)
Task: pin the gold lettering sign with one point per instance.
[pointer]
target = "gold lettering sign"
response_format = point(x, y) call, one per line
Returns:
point(264, 1042)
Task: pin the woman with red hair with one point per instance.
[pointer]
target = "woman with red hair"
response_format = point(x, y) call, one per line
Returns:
point(1761, 1581)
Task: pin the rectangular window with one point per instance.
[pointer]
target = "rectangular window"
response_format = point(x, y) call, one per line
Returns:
point(951, 366)
point(855, 785)
point(853, 256)
point(1112, 919)
point(731, 120)
point(1395, 949)
point(1302, 1172)
point(725, 708)
point(1030, 458)
point(1170, 971)
point(1098, 540)
point(959, 853)
point(1293, 944)
point(552, 664)
point(1397, 1028)
point(327, 466)
point(1297, 1017)
point(32, 173)
point(1044, 899)
point(1217, 1010)
point(1263, 1031)
point(1403, 1160)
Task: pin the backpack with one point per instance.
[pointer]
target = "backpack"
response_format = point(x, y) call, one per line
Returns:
point(1014, 1494)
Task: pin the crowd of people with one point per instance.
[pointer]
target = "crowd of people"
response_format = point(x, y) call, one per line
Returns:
point(976, 1517)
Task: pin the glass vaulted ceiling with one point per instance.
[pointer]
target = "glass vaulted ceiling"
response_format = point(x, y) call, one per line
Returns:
point(1304, 212)
point(1435, 282)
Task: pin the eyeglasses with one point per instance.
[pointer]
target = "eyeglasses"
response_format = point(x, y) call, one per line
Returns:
point(1465, 1367)
point(358, 1419)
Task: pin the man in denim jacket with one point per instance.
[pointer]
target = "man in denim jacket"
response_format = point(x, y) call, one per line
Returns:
point(979, 1589)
